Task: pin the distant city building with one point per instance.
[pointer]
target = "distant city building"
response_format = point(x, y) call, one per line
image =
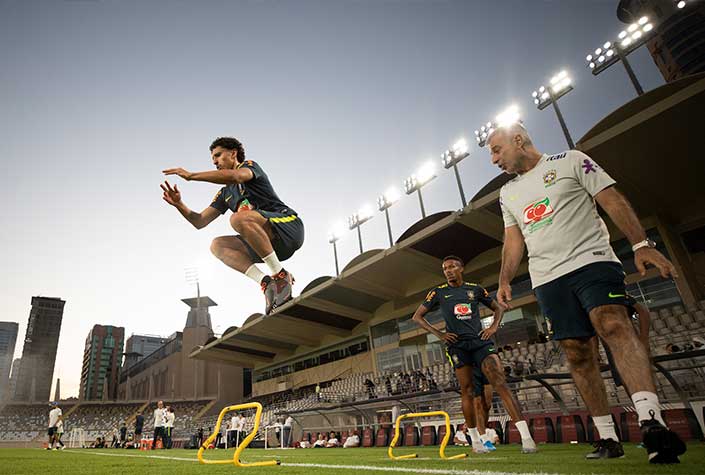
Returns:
point(13, 378)
point(8, 338)
point(138, 347)
point(102, 356)
point(39, 352)
point(678, 42)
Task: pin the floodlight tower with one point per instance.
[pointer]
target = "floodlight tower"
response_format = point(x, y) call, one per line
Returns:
point(417, 181)
point(559, 86)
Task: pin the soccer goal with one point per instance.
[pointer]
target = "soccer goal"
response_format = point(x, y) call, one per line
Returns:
point(77, 438)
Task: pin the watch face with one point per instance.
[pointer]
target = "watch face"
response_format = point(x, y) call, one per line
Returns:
point(651, 243)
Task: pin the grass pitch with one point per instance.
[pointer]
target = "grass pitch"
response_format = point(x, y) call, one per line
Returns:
point(552, 459)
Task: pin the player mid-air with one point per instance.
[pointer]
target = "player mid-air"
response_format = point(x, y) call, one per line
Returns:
point(268, 230)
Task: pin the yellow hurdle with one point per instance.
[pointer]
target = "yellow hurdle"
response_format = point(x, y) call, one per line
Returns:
point(442, 451)
point(245, 442)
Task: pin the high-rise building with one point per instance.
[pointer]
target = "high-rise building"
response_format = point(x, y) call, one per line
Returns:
point(39, 352)
point(102, 356)
point(13, 378)
point(677, 44)
point(8, 338)
point(138, 347)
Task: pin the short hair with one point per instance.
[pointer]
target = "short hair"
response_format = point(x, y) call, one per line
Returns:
point(516, 128)
point(230, 143)
point(454, 258)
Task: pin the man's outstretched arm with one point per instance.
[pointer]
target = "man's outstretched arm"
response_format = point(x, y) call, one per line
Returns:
point(219, 177)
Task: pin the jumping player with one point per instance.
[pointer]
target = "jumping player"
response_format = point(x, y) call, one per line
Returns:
point(577, 278)
point(467, 345)
point(268, 230)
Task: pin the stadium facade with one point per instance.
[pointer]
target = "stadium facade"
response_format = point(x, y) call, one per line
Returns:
point(359, 321)
point(39, 352)
point(8, 338)
point(102, 356)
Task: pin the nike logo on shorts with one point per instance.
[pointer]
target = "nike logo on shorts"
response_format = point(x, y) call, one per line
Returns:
point(614, 296)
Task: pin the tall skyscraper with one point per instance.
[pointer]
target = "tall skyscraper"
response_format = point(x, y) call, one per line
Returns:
point(8, 338)
point(13, 378)
point(102, 356)
point(39, 352)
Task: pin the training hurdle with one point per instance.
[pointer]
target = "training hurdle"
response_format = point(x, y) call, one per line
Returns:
point(246, 441)
point(444, 442)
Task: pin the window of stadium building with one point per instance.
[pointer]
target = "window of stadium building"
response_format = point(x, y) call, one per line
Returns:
point(385, 333)
point(655, 292)
point(390, 361)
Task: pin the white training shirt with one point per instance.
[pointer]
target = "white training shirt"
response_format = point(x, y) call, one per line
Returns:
point(351, 441)
point(60, 427)
point(169, 419)
point(159, 417)
point(333, 441)
point(319, 443)
point(54, 416)
point(240, 424)
point(289, 421)
point(553, 206)
point(460, 435)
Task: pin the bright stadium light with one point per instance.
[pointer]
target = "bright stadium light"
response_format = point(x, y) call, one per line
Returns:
point(384, 202)
point(415, 182)
point(451, 158)
point(358, 219)
point(628, 40)
point(559, 86)
point(681, 4)
point(335, 234)
point(511, 115)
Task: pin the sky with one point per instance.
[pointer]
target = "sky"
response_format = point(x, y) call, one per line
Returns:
point(337, 101)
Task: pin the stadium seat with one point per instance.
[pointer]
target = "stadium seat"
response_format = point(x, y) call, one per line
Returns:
point(684, 423)
point(512, 433)
point(382, 437)
point(428, 435)
point(442, 432)
point(343, 436)
point(629, 427)
point(411, 435)
point(542, 430)
point(570, 428)
point(368, 439)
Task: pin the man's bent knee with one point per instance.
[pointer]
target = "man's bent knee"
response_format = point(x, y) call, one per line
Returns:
point(611, 321)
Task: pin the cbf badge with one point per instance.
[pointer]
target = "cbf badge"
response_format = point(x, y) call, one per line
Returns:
point(471, 295)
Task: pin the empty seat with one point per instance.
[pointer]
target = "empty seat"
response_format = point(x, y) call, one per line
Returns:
point(542, 430)
point(684, 423)
point(411, 435)
point(570, 428)
point(368, 439)
point(428, 435)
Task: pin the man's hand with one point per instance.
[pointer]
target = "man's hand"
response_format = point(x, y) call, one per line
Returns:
point(504, 296)
point(488, 332)
point(450, 338)
point(648, 255)
point(171, 195)
point(186, 175)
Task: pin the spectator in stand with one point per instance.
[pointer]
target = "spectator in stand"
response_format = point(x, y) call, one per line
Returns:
point(304, 444)
point(388, 384)
point(54, 415)
point(169, 425)
point(320, 442)
point(460, 438)
point(139, 425)
point(115, 442)
point(671, 348)
point(353, 440)
point(370, 388)
point(287, 430)
point(318, 391)
point(123, 434)
point(159, 421)
point(332, 441)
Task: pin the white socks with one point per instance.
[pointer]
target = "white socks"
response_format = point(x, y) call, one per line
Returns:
point(273, 263)
point(644, 403)
point(254, 273)
point(523, 429)
point(605, 427)
point(474, 435)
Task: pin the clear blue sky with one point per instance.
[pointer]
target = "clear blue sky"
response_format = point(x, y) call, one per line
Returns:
point(337, 100)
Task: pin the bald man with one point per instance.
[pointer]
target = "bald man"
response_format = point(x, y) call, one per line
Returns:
point(578, 280)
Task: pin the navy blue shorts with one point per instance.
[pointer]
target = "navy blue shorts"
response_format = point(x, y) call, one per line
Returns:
point(568, 300)
point(479, 381)
point(288, 234)
point(471, 352)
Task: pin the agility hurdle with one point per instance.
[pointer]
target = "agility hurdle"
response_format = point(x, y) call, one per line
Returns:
point(446, 437)
point(246, 441)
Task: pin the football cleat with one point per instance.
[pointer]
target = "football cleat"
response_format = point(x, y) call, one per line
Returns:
point(662, 444)
point(606, 449)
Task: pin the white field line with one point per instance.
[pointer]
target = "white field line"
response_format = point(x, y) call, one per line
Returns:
point(338, 467)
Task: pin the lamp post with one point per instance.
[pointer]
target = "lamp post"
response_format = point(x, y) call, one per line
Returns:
point(415, 182)
point(610, 53)
point(333, 238)
point(384, 202)
point(559, 86)
point(451, 158)
point(357, 220)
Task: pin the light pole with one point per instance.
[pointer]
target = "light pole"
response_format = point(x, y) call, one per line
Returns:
point(357, 220)
point(385, 202)
point(559, 86)
point(510, 115)
point(416, 181)
point(610, 53)
point(333, 237)
point(451, 158)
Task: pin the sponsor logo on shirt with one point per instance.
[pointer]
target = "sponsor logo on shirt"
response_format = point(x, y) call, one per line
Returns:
point(463, 311)
point(549, 178)
point(538, 214)
point(589, 166)
point(555, 157)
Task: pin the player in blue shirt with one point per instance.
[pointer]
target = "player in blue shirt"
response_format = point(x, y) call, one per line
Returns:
point(268, 230)
point(468, 345)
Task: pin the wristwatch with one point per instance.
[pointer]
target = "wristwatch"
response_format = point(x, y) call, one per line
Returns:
point(645, 243)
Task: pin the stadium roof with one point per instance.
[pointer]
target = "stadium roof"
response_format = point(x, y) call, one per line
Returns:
point(656, 131)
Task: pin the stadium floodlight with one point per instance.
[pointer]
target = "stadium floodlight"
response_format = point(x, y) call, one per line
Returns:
point(559, 86)
point(680, 5)
point(510, 115)
point(335, 234)
point(451, 158)
point(628, 40)
point(385, 202)
point(358, 219)
point(415, 182)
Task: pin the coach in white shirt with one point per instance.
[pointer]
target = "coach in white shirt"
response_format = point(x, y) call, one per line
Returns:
point(159, 423)
point(54, 416)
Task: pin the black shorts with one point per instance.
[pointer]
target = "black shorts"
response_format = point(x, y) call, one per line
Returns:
point(288, 234)
point(568, 300)
point(52, 431)
point(470, 352)
point(479, 381)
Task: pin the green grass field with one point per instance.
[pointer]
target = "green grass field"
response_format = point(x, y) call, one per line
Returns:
point(559, 459)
